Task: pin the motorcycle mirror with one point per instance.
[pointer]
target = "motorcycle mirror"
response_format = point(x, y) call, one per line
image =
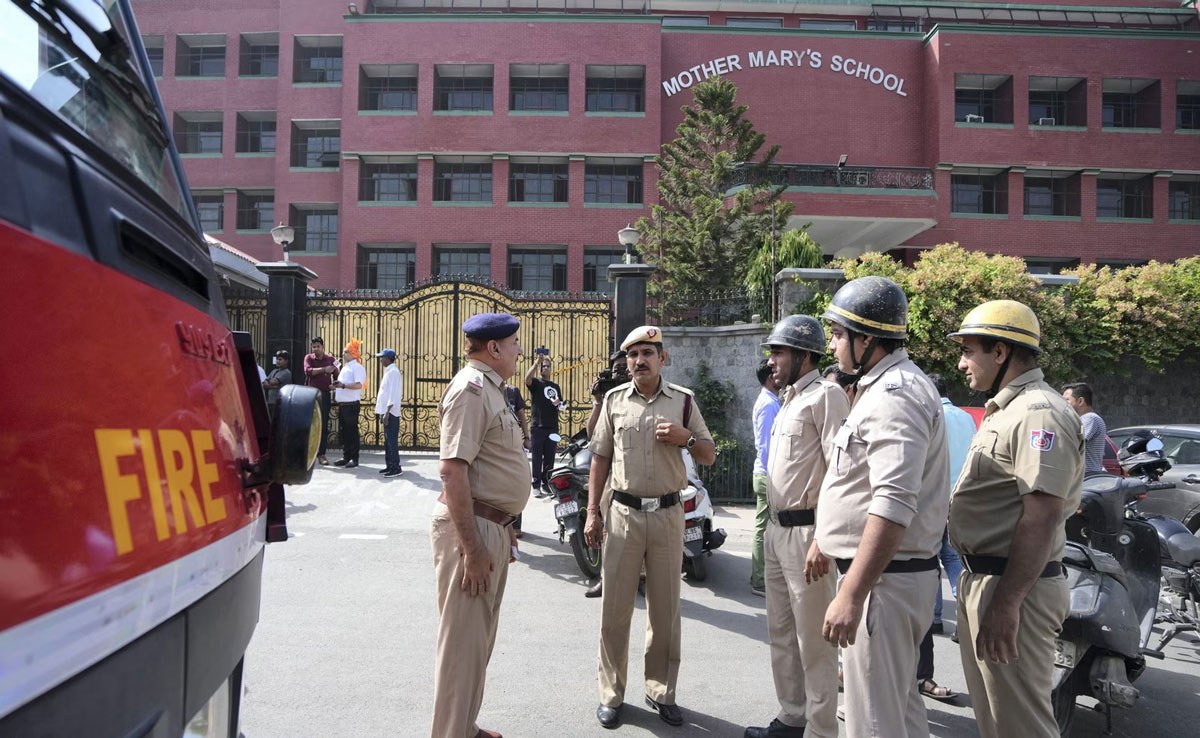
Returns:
point(1154, 444)
point(555, 437)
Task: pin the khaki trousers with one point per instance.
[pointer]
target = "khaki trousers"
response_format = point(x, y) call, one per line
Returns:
point(803, 663)
point(1013, 699)
point(633, 538)
point(466, 628)
point(882, 698)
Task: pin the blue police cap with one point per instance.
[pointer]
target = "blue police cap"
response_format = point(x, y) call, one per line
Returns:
point(491, 326)
point(389, 353)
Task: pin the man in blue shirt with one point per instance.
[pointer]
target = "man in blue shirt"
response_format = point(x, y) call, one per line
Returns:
point(766, 407)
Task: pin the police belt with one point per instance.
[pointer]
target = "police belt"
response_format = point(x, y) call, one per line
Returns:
point(487, 512)
point(995, 565)
point(896, 566)
point(648, 504)
point(792, 518)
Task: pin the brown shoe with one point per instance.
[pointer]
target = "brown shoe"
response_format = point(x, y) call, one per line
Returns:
point(596, 590)
point(487, 734)
point(323, 461)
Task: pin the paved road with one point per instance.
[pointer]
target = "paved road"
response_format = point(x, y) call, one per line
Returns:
point(345, 642)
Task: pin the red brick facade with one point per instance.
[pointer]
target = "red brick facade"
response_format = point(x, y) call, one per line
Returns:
point(815, 112)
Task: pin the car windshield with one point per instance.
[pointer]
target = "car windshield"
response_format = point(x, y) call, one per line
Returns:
point(1181, 449)
point(73, 57)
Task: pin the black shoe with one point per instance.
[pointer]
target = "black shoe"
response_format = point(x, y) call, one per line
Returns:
point(341, 462)
point(609, 717)
point(938, 629)
point(385, 470)
point(777, 729)
point(352, 463)
point(596, 590)
point(393, 472)
point(671, 714)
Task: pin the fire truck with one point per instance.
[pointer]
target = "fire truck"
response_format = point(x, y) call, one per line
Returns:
point(142, 472)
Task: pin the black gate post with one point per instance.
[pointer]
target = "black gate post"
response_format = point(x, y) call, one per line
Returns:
point(629, 300)
point(287, 307)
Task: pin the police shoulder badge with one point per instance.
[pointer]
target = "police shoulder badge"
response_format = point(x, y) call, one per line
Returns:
point(1041, 440)
point(475, 385)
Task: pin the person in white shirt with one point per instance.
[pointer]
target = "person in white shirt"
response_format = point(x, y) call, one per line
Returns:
point(387, 405)
point(347, 393)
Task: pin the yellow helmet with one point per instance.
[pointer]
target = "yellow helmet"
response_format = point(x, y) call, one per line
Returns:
point(1002, 320)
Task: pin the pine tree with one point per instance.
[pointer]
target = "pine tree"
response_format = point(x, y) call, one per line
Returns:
point(700, 238)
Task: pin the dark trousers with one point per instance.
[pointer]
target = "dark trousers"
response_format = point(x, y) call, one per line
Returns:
point(348, 429)
point(542, 451)
point(391, 441)
point(323, 398)
point(925, 656)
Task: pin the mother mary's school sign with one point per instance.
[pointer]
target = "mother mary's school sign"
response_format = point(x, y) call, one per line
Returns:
point(808, 58)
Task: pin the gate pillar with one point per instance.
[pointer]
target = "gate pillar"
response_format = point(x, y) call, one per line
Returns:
point(629, 301)
point(287, 305)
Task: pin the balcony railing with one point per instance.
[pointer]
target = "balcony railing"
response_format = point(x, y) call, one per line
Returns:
point(817, 175)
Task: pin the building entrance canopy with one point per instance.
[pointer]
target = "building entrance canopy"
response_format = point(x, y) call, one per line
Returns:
point(845, 236)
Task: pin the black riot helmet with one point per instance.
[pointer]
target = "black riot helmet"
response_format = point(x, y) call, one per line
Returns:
point(872, 306)
point(1141, 455)
point(800, 332)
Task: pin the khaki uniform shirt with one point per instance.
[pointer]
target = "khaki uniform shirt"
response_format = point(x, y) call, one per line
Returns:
point(641, 464)
point(890, 459)
point(1030, 440)
point(479, 428)
point(802, 441)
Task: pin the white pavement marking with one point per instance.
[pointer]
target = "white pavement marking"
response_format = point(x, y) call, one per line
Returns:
point(363, 536)
point(366, 507)
point(297, 533)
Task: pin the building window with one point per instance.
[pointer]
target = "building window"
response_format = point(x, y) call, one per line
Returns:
point(198, 133)
point(595, 269)
point(387, 179)
point(537, 179)
point(462, 179)
point(1124, 195)
point(612, 181)
point(154, 50)
point(895, 25)
point(462, 87)
point(317, 59)
point(754, 22)
point(538, 87)
point(813, 24)
point(1183, 194)
point(616, 88)
point(256, 132)
point(1131, 103)
point(387, 87)
point(1057, 101)
point(316, 228)
point(385, 266)
point(1051, 193)
point(983, 98)
point(259, 55)
point(462, 260)
point(210, 206)
point(979, 191)
point(255, 210)
point(685, 20)
point(1049, 264)
point(1187, 105)
point(201, 55)
point(316, 143)
point(537, 270)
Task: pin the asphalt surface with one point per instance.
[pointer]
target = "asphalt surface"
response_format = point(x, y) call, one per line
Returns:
point(345, 642)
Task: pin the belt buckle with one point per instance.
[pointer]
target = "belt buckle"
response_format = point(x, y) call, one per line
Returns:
point(650, 504)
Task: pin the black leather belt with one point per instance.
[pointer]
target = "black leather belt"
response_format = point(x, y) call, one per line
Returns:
point(996, 565)
point(637, 503)
point(794, 518)
point(896, 566)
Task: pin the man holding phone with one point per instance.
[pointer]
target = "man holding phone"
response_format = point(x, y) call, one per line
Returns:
point(546, 398)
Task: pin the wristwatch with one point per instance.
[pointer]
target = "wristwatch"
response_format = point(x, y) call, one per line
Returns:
point(690, 442)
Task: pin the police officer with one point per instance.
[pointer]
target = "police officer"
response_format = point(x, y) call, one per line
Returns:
point(883, 509)
point(1022, 479)
point(641, 429)
point(483, 471)
point(803, 663)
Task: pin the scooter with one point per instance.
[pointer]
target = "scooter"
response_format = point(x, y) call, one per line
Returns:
point(700, 538)
point(1112, 565)
point(569, 486)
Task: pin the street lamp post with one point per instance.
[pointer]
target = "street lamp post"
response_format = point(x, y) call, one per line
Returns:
point(629, 237)
point(283, 235)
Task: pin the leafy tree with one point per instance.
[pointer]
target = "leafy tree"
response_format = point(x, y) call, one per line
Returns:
point(700, 236)
point(796, 250)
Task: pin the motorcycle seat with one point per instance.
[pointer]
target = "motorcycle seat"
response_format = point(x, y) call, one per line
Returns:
point(1184, 548)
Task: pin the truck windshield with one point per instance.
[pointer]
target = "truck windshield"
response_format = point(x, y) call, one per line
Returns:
point(74, 58)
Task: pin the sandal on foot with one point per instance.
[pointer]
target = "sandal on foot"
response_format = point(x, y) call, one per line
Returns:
point(932, 689)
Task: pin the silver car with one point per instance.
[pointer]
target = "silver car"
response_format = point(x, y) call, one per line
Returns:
point(1181, 446)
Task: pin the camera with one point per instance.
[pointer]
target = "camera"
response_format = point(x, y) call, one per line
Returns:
point(542, 351)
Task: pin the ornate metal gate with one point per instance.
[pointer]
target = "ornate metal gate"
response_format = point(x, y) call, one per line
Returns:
point(424, 327)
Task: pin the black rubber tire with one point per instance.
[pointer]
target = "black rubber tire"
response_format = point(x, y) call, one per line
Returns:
point(1063, 702)
point(697, 566)
point(587, 558)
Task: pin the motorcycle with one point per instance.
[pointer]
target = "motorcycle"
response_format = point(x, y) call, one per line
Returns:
point(700, 538)
point(569, 486)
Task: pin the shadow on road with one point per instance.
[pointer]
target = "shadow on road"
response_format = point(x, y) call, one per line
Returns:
point(694, 723)
point(292, 508)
